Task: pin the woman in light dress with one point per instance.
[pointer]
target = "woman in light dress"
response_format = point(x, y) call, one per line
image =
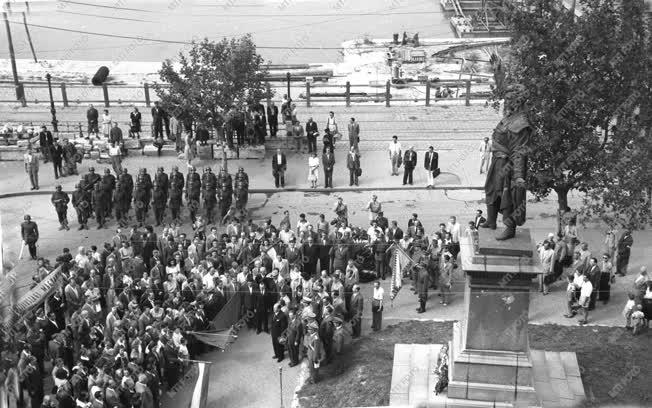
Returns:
point(106, 123)
point(313, 173)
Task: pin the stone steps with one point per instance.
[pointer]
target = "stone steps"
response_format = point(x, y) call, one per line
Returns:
point(557, 378)
point(556, 375)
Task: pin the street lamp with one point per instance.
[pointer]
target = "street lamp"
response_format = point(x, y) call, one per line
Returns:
point(288, 77)
point(53, 111)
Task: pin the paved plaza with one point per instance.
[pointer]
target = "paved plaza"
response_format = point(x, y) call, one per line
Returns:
point(458, 193)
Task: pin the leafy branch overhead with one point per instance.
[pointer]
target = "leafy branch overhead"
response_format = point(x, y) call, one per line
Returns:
point(584, 75)
point(211, 78)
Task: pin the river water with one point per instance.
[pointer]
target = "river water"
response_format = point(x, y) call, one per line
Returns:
point(308, 30)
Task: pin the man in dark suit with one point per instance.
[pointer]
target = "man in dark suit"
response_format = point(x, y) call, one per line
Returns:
point(310, 253)
point(279, 165)
point(159, 116)
point(272, 118)
point(279, 325)
point(328, 160)
point(29, 233)
point(46, 141)
point(431, 164)
point(410, 162)
point(263, 307)
point(353, 164)
point(91, 116)
point(394, 233)
point(249, 302)
point(312, 132)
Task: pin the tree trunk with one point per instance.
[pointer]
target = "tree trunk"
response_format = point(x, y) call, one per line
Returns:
point(562, 201)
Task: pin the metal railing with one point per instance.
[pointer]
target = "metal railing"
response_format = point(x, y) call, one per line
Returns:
point(308, 93)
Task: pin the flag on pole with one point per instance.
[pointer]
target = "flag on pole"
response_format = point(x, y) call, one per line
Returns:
point(400, 262)
point(200, 392)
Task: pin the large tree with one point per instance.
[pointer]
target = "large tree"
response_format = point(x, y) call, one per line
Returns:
point(582, 73)
point(211, 78)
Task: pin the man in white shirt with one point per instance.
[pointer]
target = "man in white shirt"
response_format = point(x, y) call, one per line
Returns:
point(31, 167)
point(330, 124)
point(395, 155)
point(377, 307)
point(286, 235)
point(485, 151)
point(115, 155)
point(454, 229)
point(585, 298)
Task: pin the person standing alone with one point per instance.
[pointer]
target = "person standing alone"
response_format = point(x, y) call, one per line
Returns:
point(279, 165)
point(354, 134)
point(328, 161)
point(485, 151)
point(410, 162)
point(431, 164)
point(29, 234)
point(395, 155)
point(353, 164)
point(31, 167)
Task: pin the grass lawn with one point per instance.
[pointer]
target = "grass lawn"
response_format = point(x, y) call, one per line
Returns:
point(616, 367)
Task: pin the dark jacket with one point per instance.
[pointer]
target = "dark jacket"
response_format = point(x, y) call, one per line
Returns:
point(410, 159)
point(352, 162)
point(311, 128)
point(435, 161)
point(328, 160)
point(279, 324)
point(29, 232)
point(276, 166)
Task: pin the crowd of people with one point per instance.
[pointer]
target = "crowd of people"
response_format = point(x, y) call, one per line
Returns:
point(118, 329)
point(588, 280)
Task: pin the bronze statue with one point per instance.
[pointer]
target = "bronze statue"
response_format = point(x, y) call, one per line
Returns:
point(505, 186)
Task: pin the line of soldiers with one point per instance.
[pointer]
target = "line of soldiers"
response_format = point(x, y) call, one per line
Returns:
point(103, 195)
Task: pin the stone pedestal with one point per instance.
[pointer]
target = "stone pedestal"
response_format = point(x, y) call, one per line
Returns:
point(490, 359)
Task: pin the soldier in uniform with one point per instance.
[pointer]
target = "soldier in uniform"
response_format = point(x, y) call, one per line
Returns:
point(158, 202)
point(209, 184)
point(70, 156)
point(100, 204)
point(193, 192)
point(224, 191)
point(81, 200)
point(60, 201)
point(176, 193)
point(142, 195)
point(163, 181)
point(29, 234)
point(241, 189)
point(90, 179)
point(128, 184)
point(108, 186)
point(121, 203)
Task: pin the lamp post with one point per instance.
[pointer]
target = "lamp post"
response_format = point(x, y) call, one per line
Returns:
point(53, 111)
point(288, 77)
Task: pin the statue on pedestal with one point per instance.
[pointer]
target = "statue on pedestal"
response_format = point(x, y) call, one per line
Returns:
point(505, 190)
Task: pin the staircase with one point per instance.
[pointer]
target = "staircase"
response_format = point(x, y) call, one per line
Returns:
point(486, 25)
point(556, 377)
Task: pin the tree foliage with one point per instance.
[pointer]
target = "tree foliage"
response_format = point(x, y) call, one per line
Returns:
point(211, 78)
point(583, 74)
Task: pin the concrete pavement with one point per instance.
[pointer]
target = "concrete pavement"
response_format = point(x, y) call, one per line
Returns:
point(249, 360)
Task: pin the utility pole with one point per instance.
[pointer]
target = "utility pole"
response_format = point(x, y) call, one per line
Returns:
point(20, 96)
point(53, 111)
